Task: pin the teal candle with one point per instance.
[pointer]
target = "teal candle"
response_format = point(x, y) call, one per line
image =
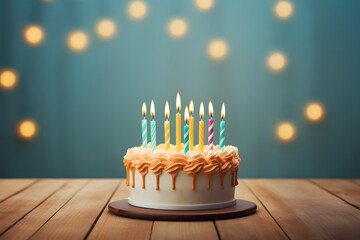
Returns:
point(186, 131)
point(222, 128)
point(144, 127)
point(153, 126)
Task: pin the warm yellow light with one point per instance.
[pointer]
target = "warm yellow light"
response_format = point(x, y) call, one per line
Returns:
point(223, 111)
point(8, 79)
point(78, 41)
point(276, 61)
point(191, 107)
point(152, 109)
point(167, 110)
point(314, 112)
point(186, 114)
point(137, 10)
point(218, 49)
point(27, 129)
point(177, 28)
point(283, 9)
point(178, 102)
point(204, 5)
point(201, 111)
point(286, 131)
point(106, 29)
point(33, 35)
point(143, 110)
point(211, 109)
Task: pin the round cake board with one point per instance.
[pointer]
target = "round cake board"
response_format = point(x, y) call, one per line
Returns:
point(240, 209)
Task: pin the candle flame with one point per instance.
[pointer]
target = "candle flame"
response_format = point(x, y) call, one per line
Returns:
point(201, 110)
point(211, 109)
point(186, 114)
point(152, 109)
point(223, 111)
point(167, 110)
point(191, 107)
point(178, 102)
point(144, 109)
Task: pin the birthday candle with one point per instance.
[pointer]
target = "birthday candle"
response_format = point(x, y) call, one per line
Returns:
point(191, 125)
point(153, 126)
point(211, 127)
point(144, 127)
point(178, 123)
point(186, 131)
point(201, 128)
point(222, 127)
point(167, 126)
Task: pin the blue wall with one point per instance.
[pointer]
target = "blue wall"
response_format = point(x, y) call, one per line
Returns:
point(88, 105)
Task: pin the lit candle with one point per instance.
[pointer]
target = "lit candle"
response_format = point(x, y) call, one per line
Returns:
point(178, 123)
point(144, 127)
point(191, 125)
point(222, 127)
point(201, 128)
point(153, 126)
point(186, 131)
point(167, 126)
point(211, 127)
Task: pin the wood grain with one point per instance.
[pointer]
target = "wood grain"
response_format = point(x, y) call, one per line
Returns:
point(258, 226)
point(76, 218)
point(9, 187)
point(16, 207)
point(38, 217)
point(305, 211)
point(110, 226)
point(344, 189)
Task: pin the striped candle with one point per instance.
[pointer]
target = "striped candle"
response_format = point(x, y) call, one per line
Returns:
point(211, 127)
point(153, 126)
point(144, 127)
point(186, 131)
point(222, 128)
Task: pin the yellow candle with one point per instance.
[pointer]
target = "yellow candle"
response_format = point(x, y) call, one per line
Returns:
point(191, 126)
point(178, 123)
point(201, 128)
point(167, 126)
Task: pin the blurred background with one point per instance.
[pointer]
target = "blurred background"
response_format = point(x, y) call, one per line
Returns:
point(74, 74)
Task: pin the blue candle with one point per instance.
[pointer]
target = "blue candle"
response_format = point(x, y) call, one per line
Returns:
point(186, 131)
point(222, 128)
point(153, 126)
point(144, 127)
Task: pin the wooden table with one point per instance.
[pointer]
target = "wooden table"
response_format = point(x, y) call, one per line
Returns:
point(77, 209)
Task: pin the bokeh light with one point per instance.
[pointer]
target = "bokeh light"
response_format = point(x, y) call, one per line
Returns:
point(106, 29)
point(137, 10)
point(77, 41)
point(286, 131)
point(8, 79)
point(277, 62)
point(27, 129)
point(204, 5)
point(283, 10)
point(34, 35)
point(177, 28)
point(314, 112)
point(218, 49)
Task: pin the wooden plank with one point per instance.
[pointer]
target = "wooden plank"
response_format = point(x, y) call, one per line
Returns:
point(184, 230)
point(110, 226)
point(344, 189)
point(9, 187)
point(304, 211)
point(260, 225)
point(16, 207)
point(38, 217)
point(76, 218)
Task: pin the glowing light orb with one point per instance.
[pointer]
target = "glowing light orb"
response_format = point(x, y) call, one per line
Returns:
point(283, 10)
point(277, 62)
point(204, 5)
point(137, 10)
point(34, 35)
point(177, 28)
point(218, 49)
point(8, 79)
point(78, 41)
point(27, 129)
point(106, 29)
point(314, 112)
point(286, 131)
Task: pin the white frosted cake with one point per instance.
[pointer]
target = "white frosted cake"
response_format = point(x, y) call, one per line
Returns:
point(172, 180)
